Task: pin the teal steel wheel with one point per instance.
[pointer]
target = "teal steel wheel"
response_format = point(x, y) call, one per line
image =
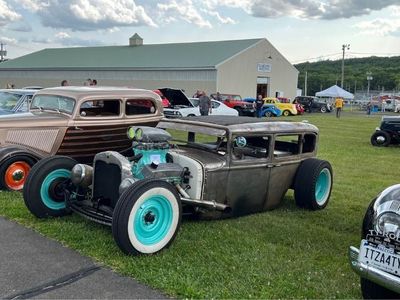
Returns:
point(323, 186)
point(51, 190)
point(147, 217)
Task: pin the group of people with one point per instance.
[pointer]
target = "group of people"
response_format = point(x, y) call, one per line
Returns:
point(87, 82)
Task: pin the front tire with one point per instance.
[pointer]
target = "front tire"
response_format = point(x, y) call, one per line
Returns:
point(14, 171)
point(323, 109)
point(268, 114)
point(313, 184)
point(44, 187)
point(380, 139)
point(147, 217)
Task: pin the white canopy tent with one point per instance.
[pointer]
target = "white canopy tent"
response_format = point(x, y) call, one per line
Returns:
point(335, 91)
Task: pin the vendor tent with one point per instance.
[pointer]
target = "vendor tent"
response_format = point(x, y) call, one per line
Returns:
point(335, 91)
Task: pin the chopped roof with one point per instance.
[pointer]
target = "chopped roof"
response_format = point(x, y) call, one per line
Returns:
point(151, 56)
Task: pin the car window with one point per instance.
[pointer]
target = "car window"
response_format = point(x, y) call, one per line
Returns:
point(309, 143)
point(250, 147)
point(8, 100)
point(237, 98)
point(215, 104)
point(287, 145)
point(53, 102)
point(139, 107)
point(100, 108)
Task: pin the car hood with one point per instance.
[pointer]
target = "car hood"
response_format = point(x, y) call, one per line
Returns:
point(33, 119)
point(210, 161)
point(176, 97)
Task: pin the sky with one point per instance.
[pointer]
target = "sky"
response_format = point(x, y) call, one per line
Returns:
point(302, 30)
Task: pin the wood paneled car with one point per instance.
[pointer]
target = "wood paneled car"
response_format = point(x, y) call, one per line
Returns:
point(74, 121)
point(213, 167)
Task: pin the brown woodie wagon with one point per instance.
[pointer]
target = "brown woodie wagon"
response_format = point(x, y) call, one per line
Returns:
point(74, 121)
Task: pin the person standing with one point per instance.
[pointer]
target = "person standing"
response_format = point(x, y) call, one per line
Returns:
point(259, 104)
point(383, 105)
point(339, 106)
point(204, 104)
point(64, 83)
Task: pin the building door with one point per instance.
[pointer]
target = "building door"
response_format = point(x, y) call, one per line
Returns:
point(262, 86)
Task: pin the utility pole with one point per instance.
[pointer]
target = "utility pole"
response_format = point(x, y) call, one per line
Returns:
point(344, 47)
point(3, 51)
point(305, 85)
point(369, 78)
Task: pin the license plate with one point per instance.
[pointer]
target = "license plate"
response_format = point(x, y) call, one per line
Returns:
point(380, 257)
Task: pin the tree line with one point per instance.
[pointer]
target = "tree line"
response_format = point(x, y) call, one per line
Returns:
point(323, 74)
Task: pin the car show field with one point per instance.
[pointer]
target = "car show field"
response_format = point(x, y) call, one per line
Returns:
point(284, 253)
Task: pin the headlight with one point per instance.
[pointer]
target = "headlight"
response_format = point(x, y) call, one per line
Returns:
point(388, 223)
point(82, 175)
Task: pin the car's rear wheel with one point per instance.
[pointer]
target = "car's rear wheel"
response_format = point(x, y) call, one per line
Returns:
point(268, 114)
point(380, 139)
point(44, 191)
point(286, 113)
point(313, 184)
point(323, 109)
point(147, 217)
point(13, 172)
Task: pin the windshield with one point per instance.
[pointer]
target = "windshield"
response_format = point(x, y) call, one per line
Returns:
point(53, 102)
point(8, 100)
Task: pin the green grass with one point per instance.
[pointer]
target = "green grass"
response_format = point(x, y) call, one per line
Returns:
point(284, 253)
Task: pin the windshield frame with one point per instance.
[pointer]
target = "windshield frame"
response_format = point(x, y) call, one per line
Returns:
point(59, 110)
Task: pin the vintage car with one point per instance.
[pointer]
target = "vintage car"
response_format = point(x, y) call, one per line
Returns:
point(234, 101)
point(199, 170)
point(286, 108)
point(270, 110)
point(377, 261)
point(388, 132)
point(73, 121)
point(313, 104)
point(15, 100)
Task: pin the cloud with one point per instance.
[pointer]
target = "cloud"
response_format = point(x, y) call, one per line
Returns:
point(8, 41)
point(23, 27)
point(7, 14)
point(183, 10)
point(218, 17)
point(379, 27)
point(87, 15)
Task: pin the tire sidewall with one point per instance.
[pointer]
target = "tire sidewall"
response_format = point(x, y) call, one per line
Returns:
point(377, 134)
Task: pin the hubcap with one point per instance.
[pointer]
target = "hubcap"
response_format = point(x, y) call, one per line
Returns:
point(15, 175)
point(51, 191)
point(380, 139)
point(323, 186)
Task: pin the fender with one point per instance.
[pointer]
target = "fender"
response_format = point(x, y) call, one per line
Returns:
point(11, 151)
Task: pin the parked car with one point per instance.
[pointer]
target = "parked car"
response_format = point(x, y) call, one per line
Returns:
point(377, 260)
point(15, 100)
point(73, 121)
point(270, 110)
point(286, 108)
point(313, 104)
point(200, 170)
point(218, 108)
point(244, 108)
point(164, 100)
point(388, 132)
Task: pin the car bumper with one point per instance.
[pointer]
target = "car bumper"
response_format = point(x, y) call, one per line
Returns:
point(373, 274)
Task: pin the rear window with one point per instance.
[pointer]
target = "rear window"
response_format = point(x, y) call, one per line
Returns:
point(139, 107)
point(100, 108)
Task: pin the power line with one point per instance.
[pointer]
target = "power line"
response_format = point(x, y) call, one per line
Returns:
point(349, 52)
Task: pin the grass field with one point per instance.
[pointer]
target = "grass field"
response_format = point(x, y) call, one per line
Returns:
point(285, 253)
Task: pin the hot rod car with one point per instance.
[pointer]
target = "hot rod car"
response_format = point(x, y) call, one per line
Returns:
point(377, 261)
point(72, 121)
point(387, 133)
point(212, 167)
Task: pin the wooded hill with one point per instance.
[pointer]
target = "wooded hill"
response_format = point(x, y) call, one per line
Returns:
point(323, 74)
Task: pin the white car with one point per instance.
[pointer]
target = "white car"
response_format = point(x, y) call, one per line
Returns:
point(192, 109)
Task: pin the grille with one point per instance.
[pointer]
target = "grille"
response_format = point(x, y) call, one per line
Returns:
point(107, 178)
point(42, 139)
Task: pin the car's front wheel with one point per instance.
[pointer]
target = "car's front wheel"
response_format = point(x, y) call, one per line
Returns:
point(371, 290)
point(44, 190)
point(268, 114)
point(313, 184)
point(380, 139)
point(147, 217)
point(323, 109)
point(14, 171)
point(286, 113)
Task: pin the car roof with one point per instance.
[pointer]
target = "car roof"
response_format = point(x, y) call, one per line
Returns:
point(237, 124)
point(19, 91)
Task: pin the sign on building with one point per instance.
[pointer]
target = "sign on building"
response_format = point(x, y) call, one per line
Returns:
point(263, 67)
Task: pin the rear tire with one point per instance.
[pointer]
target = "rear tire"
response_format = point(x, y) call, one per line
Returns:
point(14, 171)
point(323, 109)
point(286, 113)
point(147, 217)
point(380, 139)
point(268, 114)
point(313, 184)
point(43, 192)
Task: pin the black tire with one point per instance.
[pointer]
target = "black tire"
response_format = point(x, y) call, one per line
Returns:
point(191, 115)
point(313, 184)
point(371, 290)
point(156, 200)
point(268, 114)
point(239, 110)
point(286, 113)
point(46, 178)
point(323, 109)
point(20, 164)
point(380, 139)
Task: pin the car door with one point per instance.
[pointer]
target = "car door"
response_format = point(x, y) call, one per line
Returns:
point(248, 177)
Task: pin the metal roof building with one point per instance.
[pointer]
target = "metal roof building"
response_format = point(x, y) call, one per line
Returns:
point(242, 67)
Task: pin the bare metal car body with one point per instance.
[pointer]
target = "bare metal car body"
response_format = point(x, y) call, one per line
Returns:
point(211, 167)
point(94, 119)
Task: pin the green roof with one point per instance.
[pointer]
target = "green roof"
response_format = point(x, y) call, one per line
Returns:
point(152, 56)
